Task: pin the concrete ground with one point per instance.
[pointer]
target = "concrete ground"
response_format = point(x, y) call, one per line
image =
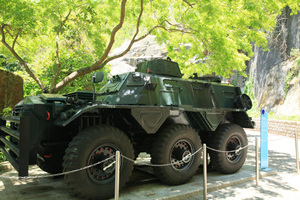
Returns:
point(285, 184)
point(281, 182)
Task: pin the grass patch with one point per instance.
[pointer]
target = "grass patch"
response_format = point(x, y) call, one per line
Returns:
point(2, 157)
point(255, 113)
point(285, 117)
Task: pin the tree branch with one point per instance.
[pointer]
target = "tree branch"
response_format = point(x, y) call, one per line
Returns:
point(144, 36)
point(104, 60)
point(176, 25)
point(112, 37)
point(162, 27)
point(6, 25)
point(58, 64)
point(133, 40)
point(99, 63)
point(15, 37)
point(23, 63)
point(15, 40)
point(2, 32)
point(185, 1)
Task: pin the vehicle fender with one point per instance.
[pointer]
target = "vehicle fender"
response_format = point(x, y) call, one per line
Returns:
point(68, 120)
point(150, 118)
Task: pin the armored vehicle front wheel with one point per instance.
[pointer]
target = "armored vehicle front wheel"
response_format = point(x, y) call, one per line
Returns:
point(93, 145)
point(175, 144)
point(229, 140)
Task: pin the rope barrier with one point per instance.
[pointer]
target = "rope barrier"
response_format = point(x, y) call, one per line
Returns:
point(58, 174)
point(220, 151)
point(117, 163)
point(165, 165)
point(150, 165)
point(185, 159)
point(129, 159)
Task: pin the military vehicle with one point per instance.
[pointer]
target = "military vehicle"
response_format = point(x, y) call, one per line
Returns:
point(150, 110)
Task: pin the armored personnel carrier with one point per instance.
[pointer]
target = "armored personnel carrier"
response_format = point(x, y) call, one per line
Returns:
point(150, 110)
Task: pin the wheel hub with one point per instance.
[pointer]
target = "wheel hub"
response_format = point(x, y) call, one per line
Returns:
point(181, 155)
point(105, 170)
point(233, 145)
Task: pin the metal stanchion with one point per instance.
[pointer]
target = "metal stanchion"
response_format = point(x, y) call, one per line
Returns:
point(204, 172)
point(297, 152)
point(117, 175)
point(257, 163)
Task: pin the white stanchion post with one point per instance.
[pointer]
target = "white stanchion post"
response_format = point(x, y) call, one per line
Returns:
point(257, 158)
point(117, 175)
point(297, 152)
point(204, 172)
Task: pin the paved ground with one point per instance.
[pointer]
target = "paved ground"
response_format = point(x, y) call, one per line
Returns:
point(283, 185)
point(282, 182)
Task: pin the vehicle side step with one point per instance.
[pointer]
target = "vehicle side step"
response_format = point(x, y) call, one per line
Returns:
point(14, 145)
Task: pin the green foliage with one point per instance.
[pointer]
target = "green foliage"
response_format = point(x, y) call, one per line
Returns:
point(2, 157)
point(6, 63)
point(20, 13)
point(235, 80)
point(7, 111)
point(249, 90)
point(226, 30)
point(10, 64)
point(295, 53)
point(284, 117)
point(255, 111)
point(293, 72)
point(60, 39)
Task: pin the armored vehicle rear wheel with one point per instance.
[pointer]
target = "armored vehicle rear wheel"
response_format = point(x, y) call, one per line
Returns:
point(230, 138)
point(52, 165)
point(93, 145)
point(173, 144)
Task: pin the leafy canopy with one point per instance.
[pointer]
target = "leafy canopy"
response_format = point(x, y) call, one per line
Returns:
point(59, 41)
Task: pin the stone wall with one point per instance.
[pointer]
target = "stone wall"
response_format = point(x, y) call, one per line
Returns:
point(281, 127)
point(11, 89)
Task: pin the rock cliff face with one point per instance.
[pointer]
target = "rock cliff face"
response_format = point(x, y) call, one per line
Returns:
point(269, 69)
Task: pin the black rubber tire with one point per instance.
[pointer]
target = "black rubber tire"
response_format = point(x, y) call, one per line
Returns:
point(83, 148)
point(52, 165)
point(161, 153)
point(226, 138)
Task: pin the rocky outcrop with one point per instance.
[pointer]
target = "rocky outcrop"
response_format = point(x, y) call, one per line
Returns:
point(269, 69)
point(145, 49)
point(293, 31)
point(11, 89)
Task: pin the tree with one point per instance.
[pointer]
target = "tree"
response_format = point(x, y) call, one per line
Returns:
point(57, 42)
